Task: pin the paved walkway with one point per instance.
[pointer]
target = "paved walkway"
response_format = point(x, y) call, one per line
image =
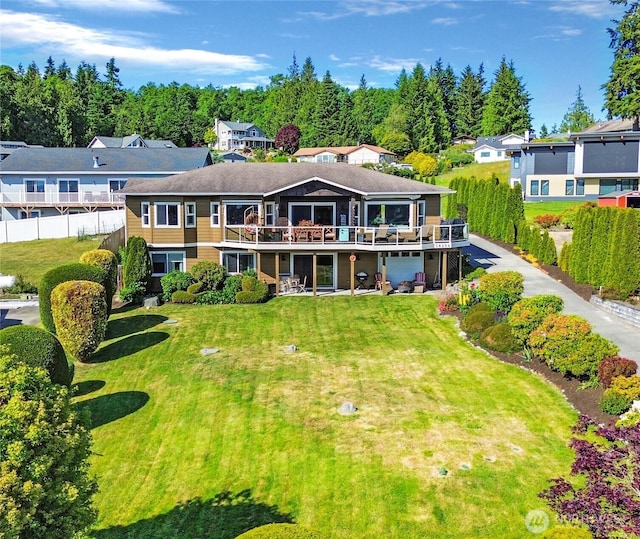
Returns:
point(495, 258)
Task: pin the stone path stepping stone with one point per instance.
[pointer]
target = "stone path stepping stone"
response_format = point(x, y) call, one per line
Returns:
point(347, 408)
point(291, 348)
point(170, 321)
point(209, 351)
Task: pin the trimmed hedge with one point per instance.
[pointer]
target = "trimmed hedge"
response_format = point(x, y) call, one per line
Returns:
point(281, 531)
point(108, 262)
point(38, 348)
point(253, 290)
point(558, 336)
point(182, 296)
point(80, 316)
point(583, 361)
point(210, 273)
point(500, 338)
point(61, 274)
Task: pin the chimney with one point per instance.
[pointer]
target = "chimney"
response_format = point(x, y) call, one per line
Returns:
point(527, 134)
point(96, 163)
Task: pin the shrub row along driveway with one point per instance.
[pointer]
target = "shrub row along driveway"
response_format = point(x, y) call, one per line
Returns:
point(495, 258)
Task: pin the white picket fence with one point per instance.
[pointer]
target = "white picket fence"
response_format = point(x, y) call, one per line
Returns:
point(61, 226)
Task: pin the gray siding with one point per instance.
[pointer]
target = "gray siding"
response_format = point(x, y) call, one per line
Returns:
point(551, 160)
point(610, 157)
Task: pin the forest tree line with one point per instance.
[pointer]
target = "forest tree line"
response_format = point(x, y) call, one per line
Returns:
point(56, 107)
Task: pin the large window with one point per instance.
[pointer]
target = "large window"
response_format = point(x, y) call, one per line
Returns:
point(68, 190)
point(390, 213)
point(235, 214)
point(319, 214)
point(607, 186)
point(29, 215)
point(34, 190)
point(116, 185)
point(237, 262)
point(164, 262)
point(167, 214)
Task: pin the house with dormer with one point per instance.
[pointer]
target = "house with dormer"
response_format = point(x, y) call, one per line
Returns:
point(326, 223)
point(239, 136)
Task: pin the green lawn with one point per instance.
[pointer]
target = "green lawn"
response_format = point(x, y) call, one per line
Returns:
point(32, 259)
point(477, 170)
point(195, 446)
point(554, 207)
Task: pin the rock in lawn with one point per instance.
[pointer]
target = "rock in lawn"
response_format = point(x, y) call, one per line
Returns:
point(347, 408)
point(209, 351)
point(151, 301)
point(290, 349)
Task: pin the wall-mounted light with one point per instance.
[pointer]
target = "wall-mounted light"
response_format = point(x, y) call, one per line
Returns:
point(430, 256)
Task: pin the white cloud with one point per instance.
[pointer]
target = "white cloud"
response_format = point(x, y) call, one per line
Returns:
point(392, 65)
point(334, 58)
point(366, 8)
point(71, 41)
point(444, 21)
point(596, 9)
point(140, 6)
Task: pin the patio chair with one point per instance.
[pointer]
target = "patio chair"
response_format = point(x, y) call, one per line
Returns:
point(378, 277)
point(286, 232)
point(419, 281)
point(382, 233)
point(302, 287)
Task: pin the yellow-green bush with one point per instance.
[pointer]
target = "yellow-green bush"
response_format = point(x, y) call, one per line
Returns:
point(567, 532)
point(108, 262)
point(627, 386)
point(558, 336)
point(528, 313)
point(501, 289)
point(500, 338)
point(80, 316)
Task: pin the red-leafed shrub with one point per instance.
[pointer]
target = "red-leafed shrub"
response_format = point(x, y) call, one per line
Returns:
point(547, 220)
point(613, 366)
point(448, 304)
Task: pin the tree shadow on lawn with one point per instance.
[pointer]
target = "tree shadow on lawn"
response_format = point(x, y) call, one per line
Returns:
point(132, 324)
point(88, 386)
point(225, 516)
point(107, 408)
point(128, 346)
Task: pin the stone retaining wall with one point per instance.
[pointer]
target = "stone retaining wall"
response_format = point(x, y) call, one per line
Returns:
point(622, 310)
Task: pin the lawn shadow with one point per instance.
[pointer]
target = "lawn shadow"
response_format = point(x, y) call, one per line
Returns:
point(88, 386)
point(107, 408)
point(132, 324)
point(225, 516)
point(128, 346)
point(124, 307)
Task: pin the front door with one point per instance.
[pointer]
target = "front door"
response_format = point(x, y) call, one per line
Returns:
point(325, 268)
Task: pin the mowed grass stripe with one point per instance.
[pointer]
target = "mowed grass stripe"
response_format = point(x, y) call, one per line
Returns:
point(255, 418)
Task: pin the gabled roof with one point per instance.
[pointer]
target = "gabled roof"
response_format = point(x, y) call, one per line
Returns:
point(238, 126)
point(609, 126)
point(262, 178)
point(340, 150)
point(81, 160)
point(495, 142)
point(125, 142)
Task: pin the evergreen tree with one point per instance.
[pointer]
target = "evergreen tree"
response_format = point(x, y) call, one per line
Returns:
point(624, 257)
point(415, 106)
point(544, 132)
point(363, 113)
point(622, 97)
point(507, 107)
point(447, 83)
point(578, 117)
point(327, 113)
point(436, 134)
point(470, 100)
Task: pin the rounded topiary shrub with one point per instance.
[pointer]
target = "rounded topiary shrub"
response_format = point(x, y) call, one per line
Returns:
point(614, 403)
point(80, 316)
point(501, 289)
point(209, 273)
point(477, 319)
point(61, 274)
point(38, 348)
point(108, 262)
point(528, 313)
point(173, 281)
point(613, 366)
point(253, 290)
point(281, 531)
point(500, 338)
point(195, 288)
point(182, 296)
point(558, 336)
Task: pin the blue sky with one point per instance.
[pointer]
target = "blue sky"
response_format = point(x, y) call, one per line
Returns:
point(555, 45)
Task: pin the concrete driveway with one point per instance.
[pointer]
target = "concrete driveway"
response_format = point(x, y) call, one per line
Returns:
point(13, 313)
point(495, 258)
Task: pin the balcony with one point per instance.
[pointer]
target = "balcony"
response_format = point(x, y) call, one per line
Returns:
point(82, 199)
point(348, 238)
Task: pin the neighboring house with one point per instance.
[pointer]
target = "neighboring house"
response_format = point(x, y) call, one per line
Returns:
point(40, 182)
point(591, 164)
point(239, 136)
point(464, 139)
point(7, 147)
point(324, 222)
point(491, 149)
point(233, 157)
point(622, 199)
point(130, 141)
point(352, 155)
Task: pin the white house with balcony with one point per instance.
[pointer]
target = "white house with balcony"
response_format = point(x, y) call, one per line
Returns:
point(239, 136)
point(41, 182)
point(495, 148)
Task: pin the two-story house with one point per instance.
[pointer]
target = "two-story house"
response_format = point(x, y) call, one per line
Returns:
point(130, 141)
point(491, 149)
point(239, 136)
point(41, 182)
point(352, 155)
point(323, 222)
point(598, 161)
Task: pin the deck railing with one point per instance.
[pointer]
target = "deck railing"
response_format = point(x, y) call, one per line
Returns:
point(424, 237)
point(53, 198)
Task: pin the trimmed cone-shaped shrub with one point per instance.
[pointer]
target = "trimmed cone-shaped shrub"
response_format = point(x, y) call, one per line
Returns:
point(281, 531)
point(61, 274)
point(137, 265)
point(37, 347)
point(80, 316)
point(107, 261)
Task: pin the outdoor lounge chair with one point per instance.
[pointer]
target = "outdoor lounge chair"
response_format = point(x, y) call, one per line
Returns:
point(382, 233)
